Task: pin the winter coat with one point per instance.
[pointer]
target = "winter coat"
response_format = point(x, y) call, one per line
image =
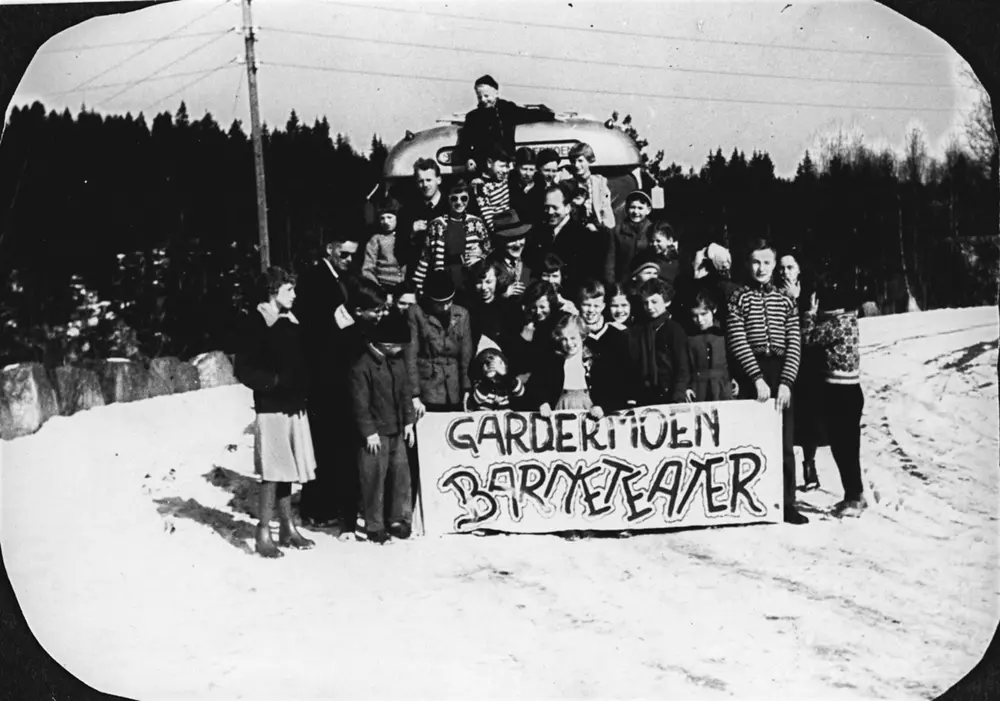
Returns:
point(437, 357)
point(270, 362)
point(710, 379)
point(659, 349)
point(627, 240)
point(486, 127)
point(381, 393)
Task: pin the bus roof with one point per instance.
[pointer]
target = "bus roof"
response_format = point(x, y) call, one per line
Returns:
point(612, 147)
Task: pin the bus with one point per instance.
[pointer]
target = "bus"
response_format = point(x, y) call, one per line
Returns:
point(618, 158)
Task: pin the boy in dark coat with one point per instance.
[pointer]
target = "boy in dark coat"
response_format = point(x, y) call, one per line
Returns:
point(659, 348)
point(383, 410)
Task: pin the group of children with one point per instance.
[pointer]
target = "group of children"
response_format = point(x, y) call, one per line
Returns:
point(648, 331)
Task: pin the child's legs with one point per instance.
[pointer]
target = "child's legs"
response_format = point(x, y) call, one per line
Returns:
point(771, 367)
point(398, 479)
point(372, 474)
point(844, 406)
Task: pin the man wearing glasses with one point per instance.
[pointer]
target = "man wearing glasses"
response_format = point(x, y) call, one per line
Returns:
point(454, 241)
point(328, 329)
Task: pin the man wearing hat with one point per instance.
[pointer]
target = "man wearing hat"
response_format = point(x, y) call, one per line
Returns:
point(511, 236)
point(493, 122)
point(441, 349)
point(629, 238)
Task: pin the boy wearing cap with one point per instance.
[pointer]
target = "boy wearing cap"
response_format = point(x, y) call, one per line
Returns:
point(629, 238)
point(381, 264)
point(381, 393)
point(524, 185)
point(493, 123)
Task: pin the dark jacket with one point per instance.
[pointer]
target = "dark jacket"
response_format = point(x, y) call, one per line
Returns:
point(410, 244)
point(710, 379)
point(437, 357)
point(627, 240)
point(329, 350)
point(485, 127)
point(579, 248)
point(496, 320)
point(610, 352)
point(545, 386)
point(382, 394)
point(528, 205)
point(659, 349)
point(269, 361)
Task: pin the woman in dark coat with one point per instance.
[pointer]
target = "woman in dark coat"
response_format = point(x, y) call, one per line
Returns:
point(807, 403)
point(270, 363)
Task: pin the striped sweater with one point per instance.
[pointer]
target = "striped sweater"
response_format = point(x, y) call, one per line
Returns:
point(477, 246)
point(493, 198)
point(763, 321)
point(837, 334)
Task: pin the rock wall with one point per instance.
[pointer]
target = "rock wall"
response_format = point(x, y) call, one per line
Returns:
point(30, 395)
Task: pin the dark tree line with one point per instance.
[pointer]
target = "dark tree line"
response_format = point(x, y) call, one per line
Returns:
point(136, 239)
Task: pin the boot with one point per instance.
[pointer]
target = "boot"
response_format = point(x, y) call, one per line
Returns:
point(851, 508)
point(811, 478)
point(288, 534)
point(266, 546)
point(795, 517)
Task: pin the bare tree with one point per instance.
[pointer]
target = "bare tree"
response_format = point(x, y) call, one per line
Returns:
point(980, 129)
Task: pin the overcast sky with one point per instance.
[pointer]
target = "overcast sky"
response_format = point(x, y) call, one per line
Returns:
point(695, 75)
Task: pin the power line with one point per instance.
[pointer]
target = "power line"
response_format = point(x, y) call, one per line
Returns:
point(135, 42)
point(131, 82)
point(595, 91)
point(705, 71)
point(186, 86)
point(236, 97)
point(621, 32)
point(162, 68)
point(147, 48)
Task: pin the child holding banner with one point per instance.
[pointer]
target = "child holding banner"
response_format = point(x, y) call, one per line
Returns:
point(658, 348)
point(569, 379)
point(764, 338)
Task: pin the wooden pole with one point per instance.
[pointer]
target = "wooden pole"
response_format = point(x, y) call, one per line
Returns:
point(258, 144)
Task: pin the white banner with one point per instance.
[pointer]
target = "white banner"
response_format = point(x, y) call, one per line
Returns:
point(668, 466)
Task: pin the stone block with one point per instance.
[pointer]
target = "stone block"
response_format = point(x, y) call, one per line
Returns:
point(28, 399)
point(214, 370)
point(123, 380)
point(78, 389)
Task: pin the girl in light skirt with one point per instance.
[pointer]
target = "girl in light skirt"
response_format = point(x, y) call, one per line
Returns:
point(269, 362)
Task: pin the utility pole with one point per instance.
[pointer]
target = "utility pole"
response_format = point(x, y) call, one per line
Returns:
point(258, 144)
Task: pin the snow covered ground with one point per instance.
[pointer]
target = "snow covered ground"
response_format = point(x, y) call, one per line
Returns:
point(125, 534)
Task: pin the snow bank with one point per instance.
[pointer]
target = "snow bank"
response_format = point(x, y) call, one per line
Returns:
point(129, 525)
